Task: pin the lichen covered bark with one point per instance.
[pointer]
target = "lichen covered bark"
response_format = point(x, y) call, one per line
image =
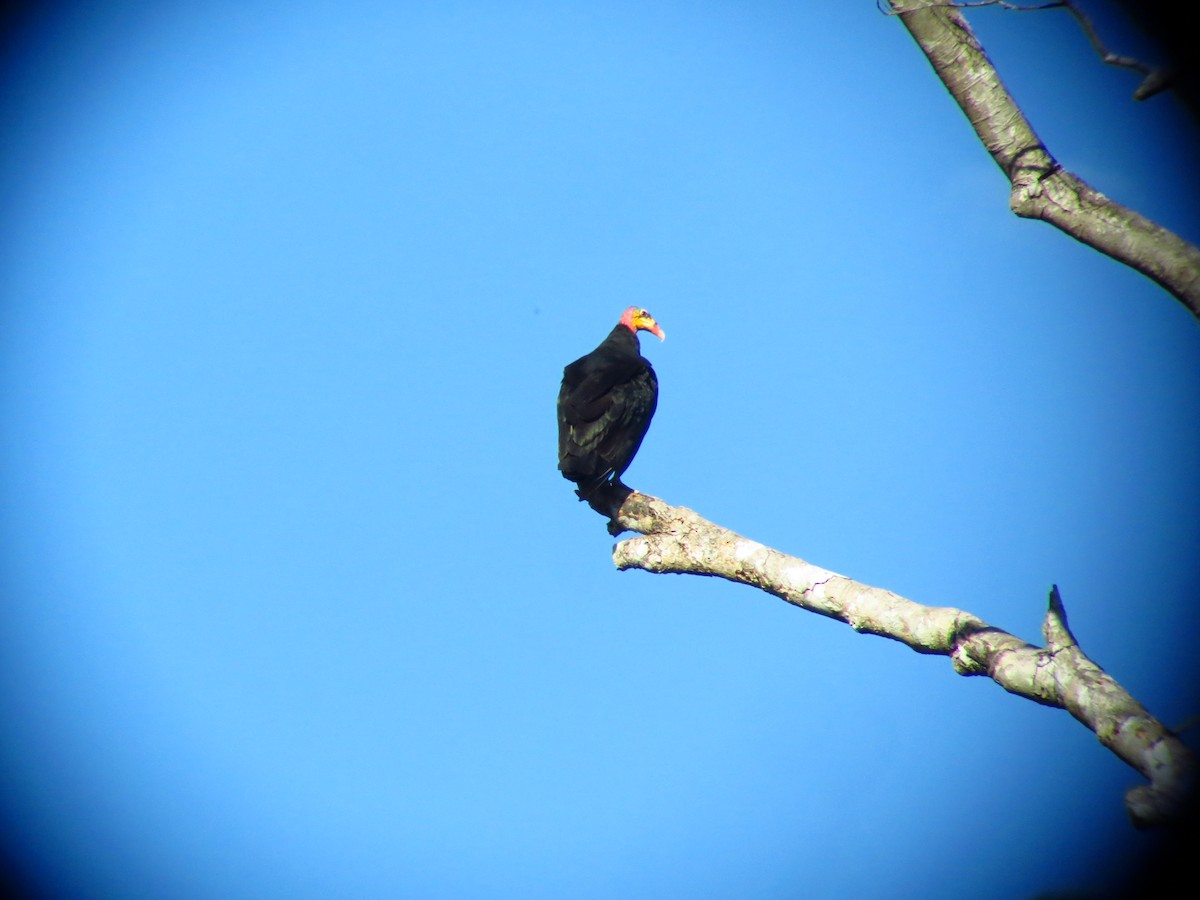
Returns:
point(1040, 187)
point(677, 540)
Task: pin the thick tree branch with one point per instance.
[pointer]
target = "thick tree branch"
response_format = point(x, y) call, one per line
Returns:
point(676, 540)
point(1041, 188)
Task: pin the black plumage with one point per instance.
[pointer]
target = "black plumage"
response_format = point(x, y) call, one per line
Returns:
point(605, 405)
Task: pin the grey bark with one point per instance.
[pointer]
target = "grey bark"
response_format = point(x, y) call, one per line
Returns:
point(677, 540)
point(1040, 187)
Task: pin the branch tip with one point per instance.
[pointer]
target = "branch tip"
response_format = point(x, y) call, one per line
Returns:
point(1055, 629)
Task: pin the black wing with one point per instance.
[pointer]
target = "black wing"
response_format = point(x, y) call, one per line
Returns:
point(605, 406)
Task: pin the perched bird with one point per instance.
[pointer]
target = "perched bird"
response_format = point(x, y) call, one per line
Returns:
point(605, 405)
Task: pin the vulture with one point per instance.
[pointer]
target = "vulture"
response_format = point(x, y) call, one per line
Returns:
point(605, 405)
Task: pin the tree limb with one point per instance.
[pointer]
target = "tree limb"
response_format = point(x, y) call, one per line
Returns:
point(1154, 79)
point(1041, 187)
point(677, 540)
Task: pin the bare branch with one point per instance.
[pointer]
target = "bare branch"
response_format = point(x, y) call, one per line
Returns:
point(677, 540)
point(1041, 187)
point(976, 4)
point(1155, 79)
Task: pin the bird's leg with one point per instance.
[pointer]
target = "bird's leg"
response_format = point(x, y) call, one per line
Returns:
point(599, 482)
point(606, 499)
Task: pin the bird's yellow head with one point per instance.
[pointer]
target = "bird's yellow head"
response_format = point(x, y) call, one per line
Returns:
point(637, 319)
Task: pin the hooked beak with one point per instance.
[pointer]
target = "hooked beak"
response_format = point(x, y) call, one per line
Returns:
point(647, 323)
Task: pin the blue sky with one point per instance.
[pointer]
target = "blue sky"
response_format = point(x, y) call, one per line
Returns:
point(297, 604)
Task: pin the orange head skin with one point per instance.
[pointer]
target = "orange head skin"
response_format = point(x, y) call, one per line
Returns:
point(637, 319)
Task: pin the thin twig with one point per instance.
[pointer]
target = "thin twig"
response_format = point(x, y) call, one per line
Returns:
point(1155, 79)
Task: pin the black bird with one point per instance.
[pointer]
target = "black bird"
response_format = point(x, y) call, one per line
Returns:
point(605, 405)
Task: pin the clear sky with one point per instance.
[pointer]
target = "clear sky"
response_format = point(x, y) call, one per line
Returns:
point(295, 601)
